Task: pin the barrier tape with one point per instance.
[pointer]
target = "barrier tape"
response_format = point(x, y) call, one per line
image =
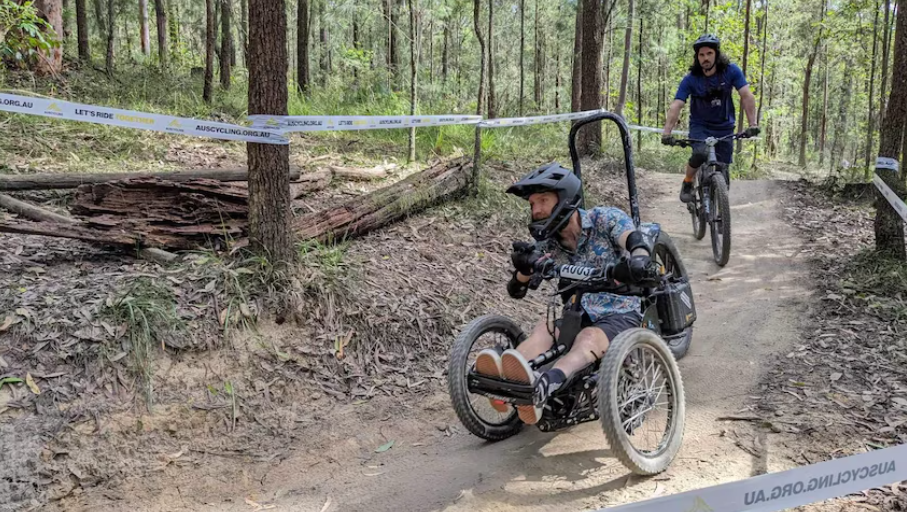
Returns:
point(787, 489)
point(899, 206)
point(345, 123)
point(139, 120)
point(506, 122)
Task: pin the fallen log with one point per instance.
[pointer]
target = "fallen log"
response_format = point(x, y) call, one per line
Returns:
point(353, 173)
point(360, 215)
point(61, 181)
point(32, 212)
point(89, 234)
point(310, 182)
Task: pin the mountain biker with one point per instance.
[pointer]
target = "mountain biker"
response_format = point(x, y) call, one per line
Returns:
point(710, 82)
point(568, 234)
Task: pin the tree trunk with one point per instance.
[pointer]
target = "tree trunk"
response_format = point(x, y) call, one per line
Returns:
point(886, 51)
point(804, 116)
point(66, 21)
point(111, 30)
point(173, 25)
point(492, 110)
point(445, 52)
point(522, 52)
point(539, 66)
point(361, 215)
point(324, 38)
point(746, 54)
point(244, 28)
point(82, 29)
point(477, 22)
point(143, 27)
point(557, 80)
point(51, 61)
point(870, 121)
point(302, 46)
point(824, 122)
point(590, 137)
point(576, 93)
point(414, 51)
point(226, 44)
point(394, 40)
point(160, 14)
point(607, 102)
point(269, 164)
point(639, 98)
point(625, 73)
point(762, 88)
point(889, 227)
point(209, 50)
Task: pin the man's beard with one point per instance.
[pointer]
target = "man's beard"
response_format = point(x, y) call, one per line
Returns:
point(707, 66)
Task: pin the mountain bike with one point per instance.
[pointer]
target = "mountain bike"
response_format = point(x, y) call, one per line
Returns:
point(635, 390)
point(710, 205)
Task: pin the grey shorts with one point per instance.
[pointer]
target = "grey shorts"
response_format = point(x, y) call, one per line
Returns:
point(611, 325)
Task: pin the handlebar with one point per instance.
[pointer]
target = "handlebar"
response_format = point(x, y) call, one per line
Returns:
point(685, 143)
point(600, 279)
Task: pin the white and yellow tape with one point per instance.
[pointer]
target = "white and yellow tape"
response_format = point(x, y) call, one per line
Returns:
point(139, 120)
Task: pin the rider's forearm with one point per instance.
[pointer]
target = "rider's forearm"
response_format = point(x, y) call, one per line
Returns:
point(749, 106)
point(672, 117)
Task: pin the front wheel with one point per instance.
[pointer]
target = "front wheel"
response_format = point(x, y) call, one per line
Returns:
point(475, 411)
point(696, 210)
point(639, 383)
point(720, 221)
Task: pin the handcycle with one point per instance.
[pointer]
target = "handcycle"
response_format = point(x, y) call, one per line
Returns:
point(636, 382)
point(710, 203)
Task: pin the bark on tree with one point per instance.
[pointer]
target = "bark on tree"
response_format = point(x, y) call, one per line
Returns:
point(302, 46)
point(143, 26)
point(324, 38)
point(82, 31)
point(872, 79)
point(269, 164)
point(209, 51)
point(51, 61)
point(492, 107)
point(576, 93)
point(746, 54)
point(625, 73)
point(804, 113)
point(111, 30)
point(639, 98)
point(522, 52)
point(174, 27)
point(557, 80)
point(445, 52)
point(889, 227)
point(244, 29)
point(226, 44)
point(394, 64)
point(590, 137)
point(160, 14)
point(67, 23)
point(414, 50)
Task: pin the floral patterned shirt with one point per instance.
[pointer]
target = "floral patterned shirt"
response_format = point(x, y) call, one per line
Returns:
point(598, 246)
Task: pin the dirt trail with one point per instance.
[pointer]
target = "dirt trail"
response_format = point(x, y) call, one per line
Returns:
point(748, 312)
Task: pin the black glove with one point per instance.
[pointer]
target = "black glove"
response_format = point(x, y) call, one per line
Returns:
point(636, 269)
point(668, 140)
point(752, 131)
point(524, 256)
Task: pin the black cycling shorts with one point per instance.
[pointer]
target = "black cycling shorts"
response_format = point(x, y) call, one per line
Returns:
point(611, 325)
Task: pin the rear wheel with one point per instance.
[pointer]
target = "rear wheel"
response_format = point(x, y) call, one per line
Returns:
point(641, 401)
point(668, 258)
point(720, 220)
point(475, 411)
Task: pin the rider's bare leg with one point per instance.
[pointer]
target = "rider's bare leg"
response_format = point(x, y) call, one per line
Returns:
point(691, 172)
point(537, 343)
point(590, 345)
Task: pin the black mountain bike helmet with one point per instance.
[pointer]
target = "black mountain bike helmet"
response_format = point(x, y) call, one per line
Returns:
point(707, 40)
point(551, 178)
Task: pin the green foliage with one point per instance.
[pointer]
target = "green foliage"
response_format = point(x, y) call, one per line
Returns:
point(22, 33)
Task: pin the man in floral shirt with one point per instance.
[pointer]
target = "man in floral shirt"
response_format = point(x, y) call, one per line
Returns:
point(570, 235)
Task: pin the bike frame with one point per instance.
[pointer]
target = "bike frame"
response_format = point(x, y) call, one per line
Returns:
point(709, 169)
